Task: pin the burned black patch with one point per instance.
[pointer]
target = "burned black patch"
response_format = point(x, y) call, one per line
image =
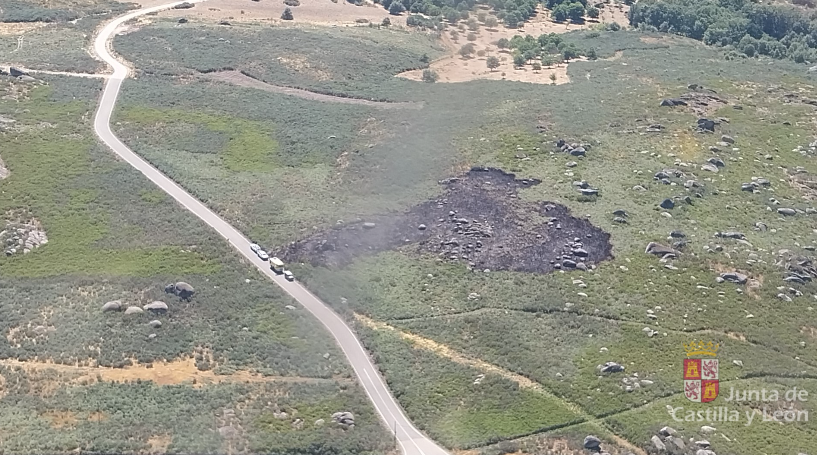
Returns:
point(478, 221)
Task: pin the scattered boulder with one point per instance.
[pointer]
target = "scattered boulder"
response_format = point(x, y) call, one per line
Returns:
point(704, 124)
point(786, 211)
point(657, 443)
point(709, 167)
point(344, 418)
point(667, 431)
point(184, 290)
point(667, 204)
point(734, 277)
point(589, 191)
point(17, 72)
point(133, 310)
point(591, 442)
point(115, 305)
point(620, 212)
point(730, 235)
point(673, 102)
point(611, 367)
point(369, 225)
point(747, 186)
point(182, 20)
point(155, 323)
point(156, 307)
point(677, 234)
point(619, 219)
point(184, 5)
point(728, 139)
point(716, 161)
point(659, 250)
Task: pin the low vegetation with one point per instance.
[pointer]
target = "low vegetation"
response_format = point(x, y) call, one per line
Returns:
point(73, 377)
point(751, 29)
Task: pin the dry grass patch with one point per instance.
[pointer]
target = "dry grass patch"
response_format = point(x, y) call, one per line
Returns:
point(60, 419)
point(159, 443)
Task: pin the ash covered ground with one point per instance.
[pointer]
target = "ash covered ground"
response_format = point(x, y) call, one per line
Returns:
point(477, 221)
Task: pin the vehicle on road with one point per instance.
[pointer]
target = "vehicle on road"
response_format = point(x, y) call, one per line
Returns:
point(255, 248)
point(276, 265)
point(263, 255)
point(289, 276)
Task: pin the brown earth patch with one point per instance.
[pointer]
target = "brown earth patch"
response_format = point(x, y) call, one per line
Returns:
point(455, 68)
point(161, 373)
point(240, 79)
point(60, 419)
point(805, 183)
point(736, 336)
point(19, 28)
point(159, 443)
point(478, 220)
point(808, 330)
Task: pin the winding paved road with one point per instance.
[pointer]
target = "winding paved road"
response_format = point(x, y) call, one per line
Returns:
point(411, 440)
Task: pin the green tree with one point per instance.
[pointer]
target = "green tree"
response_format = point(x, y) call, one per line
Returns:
point(430, 76)
point(491, 22)
point(503, 43)
point(519, 60)
point(424, 59)
point(591, 54)
point(481, 16)
point(472, 24)
point(593, 12)
point(529, 54)
point(548, 60)
point(569, 53)
point(386, 22)
point(492, 62)
point(396, 8)
point(537, 66)
point(575, 11)
point(287, 15)
point(560, 13)
point(451, 15)
point(471, 37)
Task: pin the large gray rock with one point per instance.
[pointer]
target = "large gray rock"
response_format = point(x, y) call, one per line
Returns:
point(134, 310)
point(155, 323)
point(730, 235)
point(611, 367)
point(734, 277)
point(667, 204)
point(658, 249)
point(115, 305)
point(786, 211)
point(184, 290)
point(156, 307)
point(591, 442)
point(344, 418)
point(369, 225)
point(17, 72)
point(667, 431)
point(657, 443)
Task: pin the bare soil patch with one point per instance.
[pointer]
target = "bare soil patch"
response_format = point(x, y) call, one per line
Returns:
point(478, 221)
point(19, 28)
point(161, 373)
point(322, 12)
point(455, 68)
point(240, 79)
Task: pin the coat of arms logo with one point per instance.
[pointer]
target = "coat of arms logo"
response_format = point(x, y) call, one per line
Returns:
point(701, 374)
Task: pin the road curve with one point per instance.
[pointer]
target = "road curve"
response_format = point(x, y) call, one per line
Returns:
point(411, 440)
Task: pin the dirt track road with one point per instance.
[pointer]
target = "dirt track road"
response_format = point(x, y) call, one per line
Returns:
point(411, 440)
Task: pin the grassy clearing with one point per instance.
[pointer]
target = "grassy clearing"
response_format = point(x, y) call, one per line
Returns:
point(444, 401)
point(360, 63)
point(113, 236)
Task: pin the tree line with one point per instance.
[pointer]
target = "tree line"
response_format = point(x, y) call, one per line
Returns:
point(749, 28)
point(511, 12)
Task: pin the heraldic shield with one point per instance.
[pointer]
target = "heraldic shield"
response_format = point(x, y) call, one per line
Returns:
point(701, 380)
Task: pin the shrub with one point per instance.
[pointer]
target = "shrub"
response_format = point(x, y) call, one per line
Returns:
point(386, 22)
point(430, 76)
point(537, 66)
point(491, 22)
point(519, 60)
point(503, 43)
point(292, 2)
point(481, 16)
point(467, 50)
point(481, 53)
point(593, 12)
point(396, 8)
point(492, 62)
point(471, 37)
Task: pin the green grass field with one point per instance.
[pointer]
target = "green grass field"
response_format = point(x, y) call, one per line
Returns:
point(113, 236)
point(535, 326)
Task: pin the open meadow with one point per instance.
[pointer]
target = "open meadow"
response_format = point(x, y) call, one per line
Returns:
point(89, 363)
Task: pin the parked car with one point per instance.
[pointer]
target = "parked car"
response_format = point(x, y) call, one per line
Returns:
point(255, 248)
point(289, 276)
point(263, 255)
